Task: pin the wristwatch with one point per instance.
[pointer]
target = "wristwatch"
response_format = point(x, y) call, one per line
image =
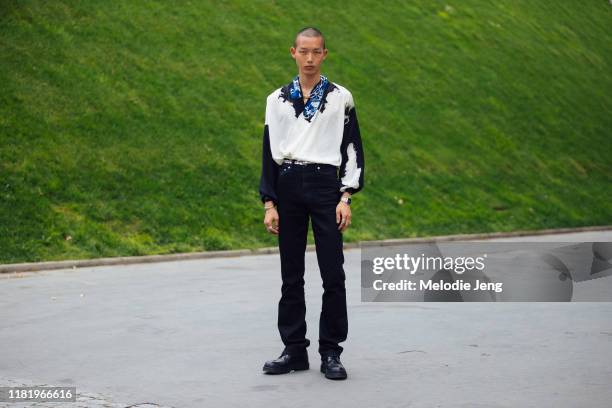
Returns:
point(346, 200)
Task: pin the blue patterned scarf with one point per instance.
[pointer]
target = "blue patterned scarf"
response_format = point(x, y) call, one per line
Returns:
point(316, 95)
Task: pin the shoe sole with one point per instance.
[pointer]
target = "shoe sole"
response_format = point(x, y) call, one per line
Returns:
point(294, 367)
point(333, 376)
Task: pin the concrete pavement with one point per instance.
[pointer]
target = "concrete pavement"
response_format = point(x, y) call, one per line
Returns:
point(195, 333)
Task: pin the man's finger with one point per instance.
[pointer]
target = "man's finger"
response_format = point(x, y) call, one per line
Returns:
point(346, 222)
point(272, 226)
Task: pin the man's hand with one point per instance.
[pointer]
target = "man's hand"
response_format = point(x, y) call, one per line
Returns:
point(343, 216)
point(271, 221)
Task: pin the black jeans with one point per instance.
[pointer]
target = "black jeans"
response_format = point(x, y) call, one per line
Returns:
point(305, 191)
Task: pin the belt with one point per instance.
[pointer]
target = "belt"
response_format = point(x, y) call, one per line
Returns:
point(308, 163)
point(300, 162)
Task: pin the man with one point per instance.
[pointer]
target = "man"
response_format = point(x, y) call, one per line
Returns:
point(312, 163)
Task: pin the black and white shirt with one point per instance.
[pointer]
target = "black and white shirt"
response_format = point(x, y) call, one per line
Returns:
point(330, 136)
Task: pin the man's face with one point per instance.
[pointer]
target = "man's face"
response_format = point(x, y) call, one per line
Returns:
point(308, 54)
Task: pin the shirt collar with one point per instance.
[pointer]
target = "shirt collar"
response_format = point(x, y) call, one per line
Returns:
point(316, 95)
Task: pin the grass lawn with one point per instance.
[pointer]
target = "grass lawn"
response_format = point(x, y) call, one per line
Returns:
point(132, 128)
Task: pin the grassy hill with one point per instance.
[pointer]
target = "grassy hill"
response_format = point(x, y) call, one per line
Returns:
point(131, 128)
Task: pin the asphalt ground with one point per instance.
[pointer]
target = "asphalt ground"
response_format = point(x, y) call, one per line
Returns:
point(195, 333)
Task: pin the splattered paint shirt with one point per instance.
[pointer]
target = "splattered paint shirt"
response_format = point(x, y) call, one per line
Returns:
point(329, 134)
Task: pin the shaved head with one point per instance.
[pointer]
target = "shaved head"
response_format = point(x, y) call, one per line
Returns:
point(309, 32)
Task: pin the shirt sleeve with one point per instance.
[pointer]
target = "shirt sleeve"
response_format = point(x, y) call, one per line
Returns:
point(353, 164)
point(269, 168)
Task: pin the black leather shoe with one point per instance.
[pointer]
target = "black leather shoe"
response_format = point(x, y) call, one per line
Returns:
point(333, 368)
point(287, 362)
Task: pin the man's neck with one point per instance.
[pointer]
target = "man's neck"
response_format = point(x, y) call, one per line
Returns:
point(308, 81)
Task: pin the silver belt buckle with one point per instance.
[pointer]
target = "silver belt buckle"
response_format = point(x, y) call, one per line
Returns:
point(294, 161)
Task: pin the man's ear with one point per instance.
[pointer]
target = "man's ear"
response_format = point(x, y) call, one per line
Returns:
point(292, 51)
